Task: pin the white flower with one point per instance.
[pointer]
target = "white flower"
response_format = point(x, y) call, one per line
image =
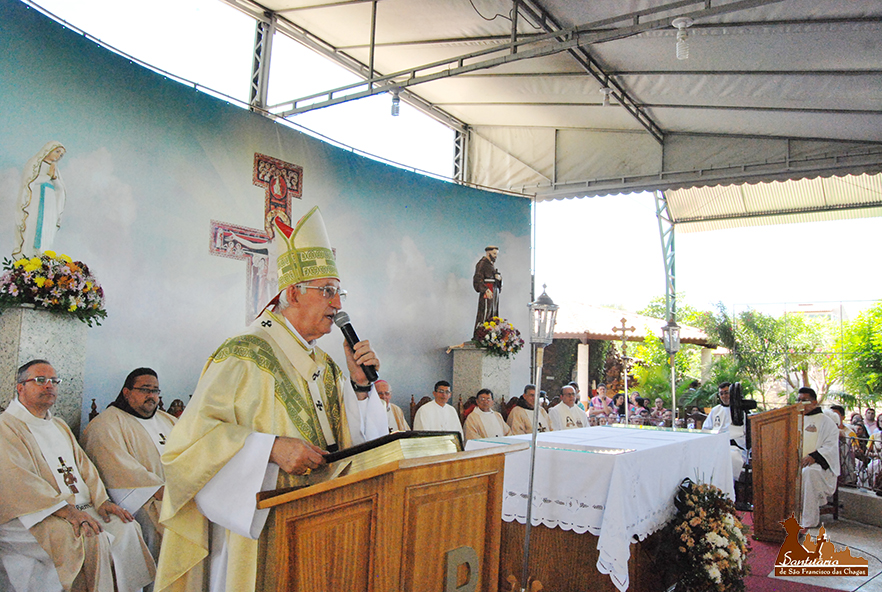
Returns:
point(716, 540)
point(714, 572)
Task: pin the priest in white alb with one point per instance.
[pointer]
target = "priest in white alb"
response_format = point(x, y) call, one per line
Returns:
point(268, 407)
point(58, 529)
point(566, 415)
point(437, 415)
point(483, 422)
point(126, 442)
point(520, 418)
point(820, 458)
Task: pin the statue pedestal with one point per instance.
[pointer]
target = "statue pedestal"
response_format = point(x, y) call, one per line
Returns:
point(474, 369)
point(27, 333)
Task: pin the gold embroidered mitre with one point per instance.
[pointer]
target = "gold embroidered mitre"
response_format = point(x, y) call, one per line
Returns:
point(305, 251)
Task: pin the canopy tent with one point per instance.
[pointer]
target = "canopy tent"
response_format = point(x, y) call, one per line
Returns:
point(771, 89)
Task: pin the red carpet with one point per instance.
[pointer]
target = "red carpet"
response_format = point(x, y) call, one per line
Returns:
point(761, 559)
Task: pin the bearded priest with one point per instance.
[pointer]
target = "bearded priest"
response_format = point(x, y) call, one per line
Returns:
point(268, 399)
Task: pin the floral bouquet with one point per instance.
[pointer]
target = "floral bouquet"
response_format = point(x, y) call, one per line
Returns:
point(499, 337)
point(54, 282)
point(708, 545)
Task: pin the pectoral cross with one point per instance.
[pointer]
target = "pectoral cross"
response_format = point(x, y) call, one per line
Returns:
point(69, 477)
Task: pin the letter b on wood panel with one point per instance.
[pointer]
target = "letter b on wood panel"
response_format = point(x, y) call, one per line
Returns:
point(457, 559)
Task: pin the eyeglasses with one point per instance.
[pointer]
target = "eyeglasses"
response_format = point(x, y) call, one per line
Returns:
point(440, 392)
point(152, 391)
point(42, 380)
point(327, 291)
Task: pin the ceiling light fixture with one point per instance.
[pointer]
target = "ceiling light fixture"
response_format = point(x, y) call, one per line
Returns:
point(682, 23)
point(607, 91)
point(396, 102)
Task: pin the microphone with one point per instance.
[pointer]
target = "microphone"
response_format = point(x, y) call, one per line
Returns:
point(341, 319)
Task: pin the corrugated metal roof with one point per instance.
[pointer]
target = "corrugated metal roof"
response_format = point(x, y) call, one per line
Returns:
point(807, 200)
point(586, 321)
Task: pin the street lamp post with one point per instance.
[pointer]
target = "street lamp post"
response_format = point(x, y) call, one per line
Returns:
point(543, 313)
point(671, 333)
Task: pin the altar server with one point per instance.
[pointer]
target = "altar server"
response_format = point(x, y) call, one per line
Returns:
point(720, 418)
point(820, 458)
point(437, 415)
point(58, 529)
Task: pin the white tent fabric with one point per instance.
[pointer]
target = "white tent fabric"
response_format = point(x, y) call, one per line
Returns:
point(771, 90)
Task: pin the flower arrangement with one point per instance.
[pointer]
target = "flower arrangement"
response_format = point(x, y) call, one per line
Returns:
point(499, 337)
point(707, 542)
point(54, 282)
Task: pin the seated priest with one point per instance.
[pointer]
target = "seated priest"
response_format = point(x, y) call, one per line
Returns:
point(520, 418)
point(566, 415)
point(720, 418)
point(820, 458)
point(483, 422)
point(58, 529)
point(126, 442)
point(268, 399)
point(394, 414)
point(437, 415)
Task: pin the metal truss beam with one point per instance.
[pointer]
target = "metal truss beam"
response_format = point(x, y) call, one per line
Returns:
point(323, 48)
point(854, 162)
point(260, 64)
point(532, 47)
point(460, 156)
point(666, 231)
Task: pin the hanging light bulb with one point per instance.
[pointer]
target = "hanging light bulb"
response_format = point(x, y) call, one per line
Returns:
point(396, 102)
point(607, 91)
point(682, 23)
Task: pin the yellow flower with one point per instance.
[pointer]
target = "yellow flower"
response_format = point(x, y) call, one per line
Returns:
point(72, 307)
point(65, 258)
point(39, 281)
point(88, 287)
point(36, 261)
point(50, 254)
point(20, 263)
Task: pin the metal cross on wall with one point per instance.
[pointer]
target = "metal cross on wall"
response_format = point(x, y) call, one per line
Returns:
point(624, 330)
point(282, 182)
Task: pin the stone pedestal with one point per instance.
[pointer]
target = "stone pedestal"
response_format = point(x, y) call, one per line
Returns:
point(27, 333)
point(474, 369)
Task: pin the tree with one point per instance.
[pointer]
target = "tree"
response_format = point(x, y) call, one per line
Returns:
point(860, 355)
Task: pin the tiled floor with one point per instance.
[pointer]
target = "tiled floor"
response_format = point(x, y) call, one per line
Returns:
point(864, 541)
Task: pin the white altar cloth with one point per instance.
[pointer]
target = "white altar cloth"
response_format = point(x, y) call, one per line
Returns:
point(615, 482)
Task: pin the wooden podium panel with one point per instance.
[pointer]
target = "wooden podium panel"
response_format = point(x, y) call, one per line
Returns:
point(391, 528)
point(777, 478)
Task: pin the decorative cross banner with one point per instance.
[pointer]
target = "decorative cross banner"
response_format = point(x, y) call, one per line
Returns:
point(282, 182)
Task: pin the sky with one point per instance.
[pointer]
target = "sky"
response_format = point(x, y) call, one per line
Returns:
point(602, 250)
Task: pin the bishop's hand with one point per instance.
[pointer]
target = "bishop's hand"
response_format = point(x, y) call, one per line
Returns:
point(296, 457)
point(362, 355)
point(82, 523)
point(108, 508)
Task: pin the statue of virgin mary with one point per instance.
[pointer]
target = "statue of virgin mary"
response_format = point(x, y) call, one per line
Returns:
point(40, 202)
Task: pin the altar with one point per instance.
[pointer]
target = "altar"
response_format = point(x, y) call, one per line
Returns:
point(616, 483)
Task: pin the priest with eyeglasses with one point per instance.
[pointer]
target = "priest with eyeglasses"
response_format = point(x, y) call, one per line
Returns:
point(126, 442)
point(58, 529)
point(268, 407)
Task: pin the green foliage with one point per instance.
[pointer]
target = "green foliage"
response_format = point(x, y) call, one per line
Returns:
point(860, 344)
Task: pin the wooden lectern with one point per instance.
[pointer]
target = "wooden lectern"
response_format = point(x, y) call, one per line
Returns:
point(428, 524)
point(777, 477)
